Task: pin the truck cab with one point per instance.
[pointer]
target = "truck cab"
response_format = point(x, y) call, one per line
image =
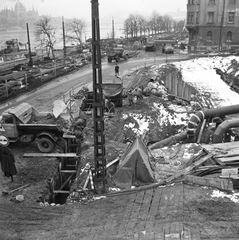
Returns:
point(8, 126)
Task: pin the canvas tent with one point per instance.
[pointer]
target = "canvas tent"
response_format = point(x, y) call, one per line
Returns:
point(134, 166)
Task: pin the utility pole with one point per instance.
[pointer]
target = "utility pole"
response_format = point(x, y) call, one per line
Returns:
point(221, 26)
point(64, 40)
point(98, 103)
point(113, 29)
point(29, 47)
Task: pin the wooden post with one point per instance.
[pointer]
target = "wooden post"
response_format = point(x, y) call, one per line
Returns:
point(6, 87)
point(26, 79)
point(201, 131)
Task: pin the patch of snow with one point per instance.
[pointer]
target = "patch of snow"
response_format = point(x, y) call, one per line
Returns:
point(200, 74)
point(173, 118)
point(142, 121)
point(233, 197)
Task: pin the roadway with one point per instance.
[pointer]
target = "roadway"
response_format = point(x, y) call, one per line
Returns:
point(43, 97)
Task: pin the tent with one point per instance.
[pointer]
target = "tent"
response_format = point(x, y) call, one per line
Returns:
point(134, 167)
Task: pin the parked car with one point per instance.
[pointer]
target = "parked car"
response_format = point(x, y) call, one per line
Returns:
point(169, 48)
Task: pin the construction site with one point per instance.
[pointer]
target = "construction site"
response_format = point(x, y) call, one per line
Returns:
point(149, 154)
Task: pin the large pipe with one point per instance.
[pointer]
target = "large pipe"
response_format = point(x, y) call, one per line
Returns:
point(169, 141)
point(222, 128)
point(199, 116)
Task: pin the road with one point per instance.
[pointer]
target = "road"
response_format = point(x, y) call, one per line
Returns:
point(43, 97)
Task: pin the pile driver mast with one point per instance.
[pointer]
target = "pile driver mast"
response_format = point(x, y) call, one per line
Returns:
point(98, 102)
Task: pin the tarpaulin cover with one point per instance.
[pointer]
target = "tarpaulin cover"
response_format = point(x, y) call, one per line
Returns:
point(134, 167)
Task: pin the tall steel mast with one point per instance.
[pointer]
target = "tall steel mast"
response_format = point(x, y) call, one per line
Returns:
point(98, 103)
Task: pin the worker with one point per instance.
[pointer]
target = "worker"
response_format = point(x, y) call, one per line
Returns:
point(7, 162)
point(109, 106)
point(116, 70)
point(79, 139)
point(130, 97)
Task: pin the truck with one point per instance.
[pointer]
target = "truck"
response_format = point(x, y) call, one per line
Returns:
point(116, 53)
point(25, 124)
point(111, 91)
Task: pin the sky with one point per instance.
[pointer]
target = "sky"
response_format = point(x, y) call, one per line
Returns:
point(82, 8)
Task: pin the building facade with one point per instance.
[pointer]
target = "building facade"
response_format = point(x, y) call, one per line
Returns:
point(213, 25)
point(17, 16)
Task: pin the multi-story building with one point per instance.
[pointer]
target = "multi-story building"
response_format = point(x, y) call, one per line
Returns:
point(213, 24)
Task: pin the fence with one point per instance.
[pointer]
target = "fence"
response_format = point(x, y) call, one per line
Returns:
point(177, 86)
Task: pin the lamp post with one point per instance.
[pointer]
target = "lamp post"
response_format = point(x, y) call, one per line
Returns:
point(221, 26)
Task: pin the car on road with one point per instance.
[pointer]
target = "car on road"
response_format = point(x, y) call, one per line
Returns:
point(169, 48)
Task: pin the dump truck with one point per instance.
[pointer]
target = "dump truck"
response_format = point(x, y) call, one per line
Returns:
point(25, 124)
point(111, 91)
point(117, 53)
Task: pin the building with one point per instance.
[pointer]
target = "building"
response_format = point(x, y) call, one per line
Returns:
point(17, 16)
point(213, 25)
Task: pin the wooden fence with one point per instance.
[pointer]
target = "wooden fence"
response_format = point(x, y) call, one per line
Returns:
point(177, 86)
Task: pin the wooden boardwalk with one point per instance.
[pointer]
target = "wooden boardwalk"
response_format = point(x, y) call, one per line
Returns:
point(175, 212)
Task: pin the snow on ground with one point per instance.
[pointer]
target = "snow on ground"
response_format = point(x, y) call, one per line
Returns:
point(141, 127)
point(200, 73)
point(219, 194)
point(178, 118)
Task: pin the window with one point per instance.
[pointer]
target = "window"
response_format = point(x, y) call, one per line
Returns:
point(211, 2)
point(191, 17)
point(232, 2)
point(8, 119)
point(210, 17)
point(197, 17)
point(209, 36)
point(231, 17)
point(191, 2)
point(229, 36)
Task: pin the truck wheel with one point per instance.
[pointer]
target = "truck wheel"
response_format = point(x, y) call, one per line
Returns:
point(126, 57)
point(45, 145)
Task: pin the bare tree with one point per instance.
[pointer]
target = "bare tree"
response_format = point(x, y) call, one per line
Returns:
point(167, 23)
point(45, 33)
point(75, 29)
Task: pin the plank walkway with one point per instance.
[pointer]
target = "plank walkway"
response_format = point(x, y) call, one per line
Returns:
point(160, 213)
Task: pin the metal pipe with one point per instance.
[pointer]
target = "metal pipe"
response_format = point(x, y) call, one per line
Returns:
point(199, 116)
point(169, 141)
point(222, 128)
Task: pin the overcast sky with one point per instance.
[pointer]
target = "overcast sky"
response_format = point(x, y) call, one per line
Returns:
point(82, 8)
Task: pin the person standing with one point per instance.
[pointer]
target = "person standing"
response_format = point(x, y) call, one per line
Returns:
point(116, 70)
point(7, 162)
point(79, 140)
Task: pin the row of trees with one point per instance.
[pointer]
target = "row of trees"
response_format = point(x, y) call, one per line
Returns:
point(45, 32)
point(137, 25)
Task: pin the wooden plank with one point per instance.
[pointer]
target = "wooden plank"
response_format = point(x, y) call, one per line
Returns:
point(228, 159)
point(221, 146)
point(201, 130)
point(188, 169)
point(48, 155)
point(61, 191)
point(229, 171)
point(68, 171)
point(144, 211)
point(134, 215)
point(222, 184)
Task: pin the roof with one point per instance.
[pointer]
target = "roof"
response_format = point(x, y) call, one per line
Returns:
point(22, 112)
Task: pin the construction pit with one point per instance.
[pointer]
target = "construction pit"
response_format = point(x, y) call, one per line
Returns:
point(153, 119)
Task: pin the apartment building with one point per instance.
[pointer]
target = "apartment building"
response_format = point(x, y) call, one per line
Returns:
point(213, 24)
